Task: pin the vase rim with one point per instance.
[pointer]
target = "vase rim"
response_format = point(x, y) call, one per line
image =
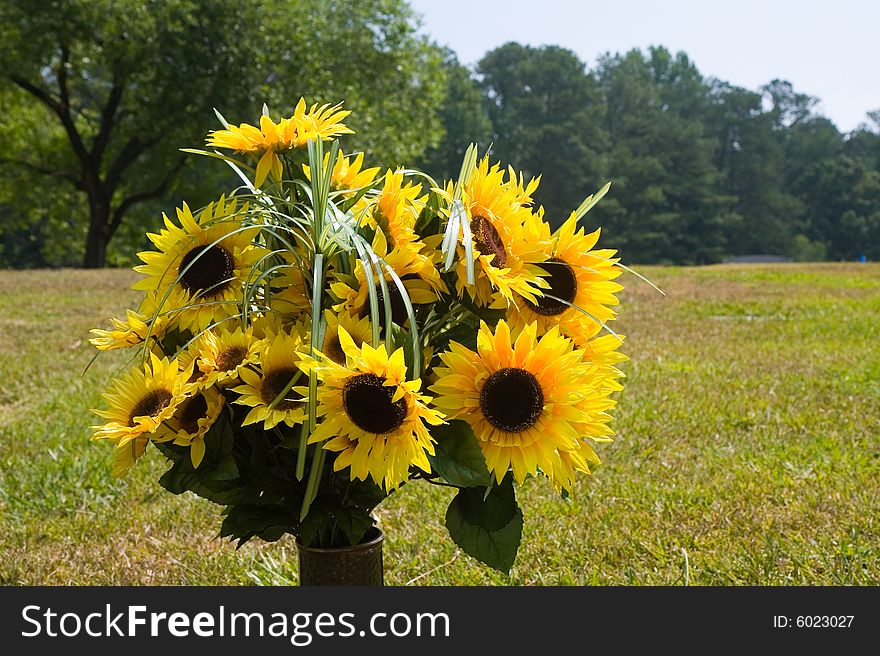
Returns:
point(377, 539)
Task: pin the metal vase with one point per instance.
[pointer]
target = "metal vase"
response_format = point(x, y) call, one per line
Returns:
point(360, 564)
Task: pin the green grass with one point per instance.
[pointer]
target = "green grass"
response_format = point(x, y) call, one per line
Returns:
point(747, 450)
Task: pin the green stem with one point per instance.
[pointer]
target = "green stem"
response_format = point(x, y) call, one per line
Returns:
point(314, 481)
point(317, 285)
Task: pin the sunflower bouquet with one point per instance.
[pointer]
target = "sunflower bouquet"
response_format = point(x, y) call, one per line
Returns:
point(328, 332)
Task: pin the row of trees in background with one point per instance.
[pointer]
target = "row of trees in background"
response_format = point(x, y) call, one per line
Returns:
point(701, 169)
point(98, 95)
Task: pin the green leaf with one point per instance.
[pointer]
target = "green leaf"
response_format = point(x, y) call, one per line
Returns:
point(428, 222)
point(353, 522)
point(464, 333)
point(217, 476)
point(590, 201)
point(490, 528)
point(491, 317)
point(267, 522)
point(363, 494)
point(458, 458)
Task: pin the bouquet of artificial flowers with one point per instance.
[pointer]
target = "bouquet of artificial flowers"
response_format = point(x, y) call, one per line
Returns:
point(327, 332)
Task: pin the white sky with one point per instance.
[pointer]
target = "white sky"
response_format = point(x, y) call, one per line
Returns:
point(826, 49)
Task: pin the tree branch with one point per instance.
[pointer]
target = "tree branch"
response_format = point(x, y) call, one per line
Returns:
point(132, 149)
point(36, 168)
point(129, 201)
point(60, 106)
point(39, 93)
point(108, 116)
point(63, 111)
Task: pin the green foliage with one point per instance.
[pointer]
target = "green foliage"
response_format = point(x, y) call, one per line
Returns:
point(43, 219)
point(116, 78)
point(104, 93)
point(487, 524)
point(216, 477)
point(804, 250)
point(547, 118)
point(702, 169)
point(327, 510)
point(667, 205)
point(233, 473)
point(464, 120)
point(251, 473)
point(458, 458)
point(843, 206)
point(246, 521)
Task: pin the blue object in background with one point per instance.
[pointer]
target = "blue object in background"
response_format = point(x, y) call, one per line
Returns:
point(862, 258)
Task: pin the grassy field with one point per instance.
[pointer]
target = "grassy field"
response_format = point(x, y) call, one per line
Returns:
point(748, 450)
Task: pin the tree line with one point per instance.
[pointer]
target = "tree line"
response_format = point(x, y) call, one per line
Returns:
point(701, 169)
point(97, 97)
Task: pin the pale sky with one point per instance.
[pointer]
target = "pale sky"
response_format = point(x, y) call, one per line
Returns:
point(826, 49)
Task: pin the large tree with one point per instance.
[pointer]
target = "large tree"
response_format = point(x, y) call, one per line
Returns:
point(118, 77)
point(464, 120)
point(666, 206)
point(129, 82)
point(547, 116)
point(370, 54)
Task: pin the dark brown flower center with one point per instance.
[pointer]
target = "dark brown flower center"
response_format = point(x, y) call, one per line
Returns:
point(211, 269)
point(563, 285)
point(332, 348)
point(512, 400)
point(368, 404)
point(274, 383)
point(194, 408)
point(488, 240)
point(230, 357)
point(150, 405)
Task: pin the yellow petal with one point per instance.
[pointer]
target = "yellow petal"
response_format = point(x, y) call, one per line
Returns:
point(197, 451)
point(267, 161)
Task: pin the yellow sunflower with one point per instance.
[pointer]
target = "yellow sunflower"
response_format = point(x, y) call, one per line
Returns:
point(139, 402)
point(602, 356)
point(423, 284)
point(127, 453)
point(220, 355)
point(372, 416)
point(581, 288)
point(264, 143)
point(592, 424)
point(348, 173)
point(395, 209)
point(520, 397)
point(500, 222)
point(194, 417)
point(359, 328)
point(314, 123)
point(126, 333)
point(146, 320)
point(270, 139)
point(570, 462)
point(595, 417)
point(278, 370)
point(270, 324)
point(290, 293)
point(208, 276)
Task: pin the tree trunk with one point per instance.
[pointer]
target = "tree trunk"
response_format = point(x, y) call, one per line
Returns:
point(96, 247)
point(98, 235)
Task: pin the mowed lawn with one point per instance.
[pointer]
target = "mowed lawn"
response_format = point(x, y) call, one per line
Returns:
point(747, 450)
